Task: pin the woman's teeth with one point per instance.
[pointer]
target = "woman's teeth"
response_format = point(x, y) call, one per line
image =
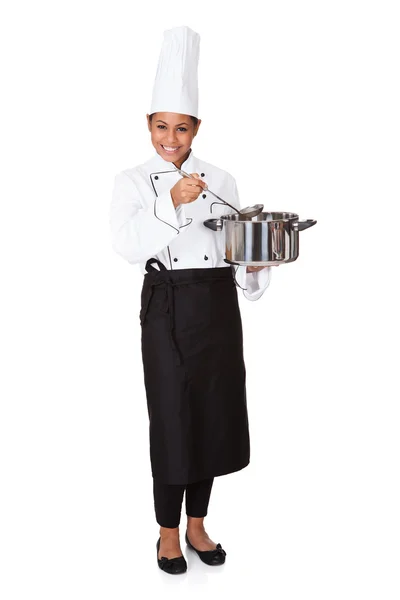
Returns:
point(169, 149)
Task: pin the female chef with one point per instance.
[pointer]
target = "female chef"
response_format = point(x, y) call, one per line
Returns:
point(192, 344)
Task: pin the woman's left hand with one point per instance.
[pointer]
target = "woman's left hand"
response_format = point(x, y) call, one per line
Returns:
point(252, 269)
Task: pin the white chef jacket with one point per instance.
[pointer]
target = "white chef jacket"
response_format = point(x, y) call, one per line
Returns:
point(144, 222)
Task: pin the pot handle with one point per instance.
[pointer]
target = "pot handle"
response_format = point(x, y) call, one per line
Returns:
point(301, 225)
point(214, 224)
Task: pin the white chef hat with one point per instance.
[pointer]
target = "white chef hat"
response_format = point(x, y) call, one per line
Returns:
point(175, 87)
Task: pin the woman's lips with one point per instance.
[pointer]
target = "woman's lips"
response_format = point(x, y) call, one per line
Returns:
point(170, 149)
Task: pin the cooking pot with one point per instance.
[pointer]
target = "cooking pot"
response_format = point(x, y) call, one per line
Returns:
point(269, 238)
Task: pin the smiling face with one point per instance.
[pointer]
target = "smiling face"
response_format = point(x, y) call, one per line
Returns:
point(172, 135)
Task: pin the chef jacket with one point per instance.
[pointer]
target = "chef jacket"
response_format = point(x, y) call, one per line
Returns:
point(144, 222)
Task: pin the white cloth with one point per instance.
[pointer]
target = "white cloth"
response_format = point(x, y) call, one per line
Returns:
point(175, 86)
point(144, 222)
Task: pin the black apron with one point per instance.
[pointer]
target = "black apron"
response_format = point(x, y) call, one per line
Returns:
point(194, 373)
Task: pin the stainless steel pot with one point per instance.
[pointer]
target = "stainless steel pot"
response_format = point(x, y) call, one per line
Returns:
point(270, 238)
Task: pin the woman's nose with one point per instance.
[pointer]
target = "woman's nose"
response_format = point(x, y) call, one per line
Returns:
point(171, 137)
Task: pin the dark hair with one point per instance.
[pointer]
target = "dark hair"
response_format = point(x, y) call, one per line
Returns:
point(194, 119)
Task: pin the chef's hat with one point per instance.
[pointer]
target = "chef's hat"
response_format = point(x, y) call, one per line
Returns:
point(175, 87)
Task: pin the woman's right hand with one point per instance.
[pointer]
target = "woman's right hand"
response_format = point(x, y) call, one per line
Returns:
point(187, 190)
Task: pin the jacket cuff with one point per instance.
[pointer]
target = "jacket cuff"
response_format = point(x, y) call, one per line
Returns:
point(180, 215)
point(165, 211)
point(253, 284)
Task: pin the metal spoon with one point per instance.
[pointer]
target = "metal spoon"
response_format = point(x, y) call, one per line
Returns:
point(247, 213)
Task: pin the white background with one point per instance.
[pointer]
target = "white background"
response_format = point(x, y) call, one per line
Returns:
point(300, 102)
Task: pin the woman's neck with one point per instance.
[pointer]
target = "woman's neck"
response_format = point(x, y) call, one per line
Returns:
point(178, 164)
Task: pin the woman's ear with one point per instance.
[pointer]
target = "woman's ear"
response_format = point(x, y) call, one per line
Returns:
point(196, 128)
point(148, 122)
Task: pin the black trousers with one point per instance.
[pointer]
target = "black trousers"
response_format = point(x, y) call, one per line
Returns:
point(168, 501)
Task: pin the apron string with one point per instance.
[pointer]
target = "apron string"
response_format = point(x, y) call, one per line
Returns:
point(171, 311)
point(153, 261)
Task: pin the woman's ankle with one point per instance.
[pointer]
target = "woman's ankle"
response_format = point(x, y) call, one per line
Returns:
point(195, 523)
point(168, 532)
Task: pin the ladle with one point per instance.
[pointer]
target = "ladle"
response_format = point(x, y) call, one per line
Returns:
point(248, 212)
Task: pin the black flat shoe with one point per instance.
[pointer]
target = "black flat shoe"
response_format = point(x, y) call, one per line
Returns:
point(173, 566)
point(210, 557)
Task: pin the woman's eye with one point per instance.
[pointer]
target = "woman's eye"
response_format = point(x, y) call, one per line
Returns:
point(164, 127)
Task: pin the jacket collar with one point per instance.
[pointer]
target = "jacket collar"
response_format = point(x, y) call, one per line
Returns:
point(158, 164)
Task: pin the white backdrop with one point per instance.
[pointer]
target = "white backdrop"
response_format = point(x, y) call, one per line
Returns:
point(300, 102)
